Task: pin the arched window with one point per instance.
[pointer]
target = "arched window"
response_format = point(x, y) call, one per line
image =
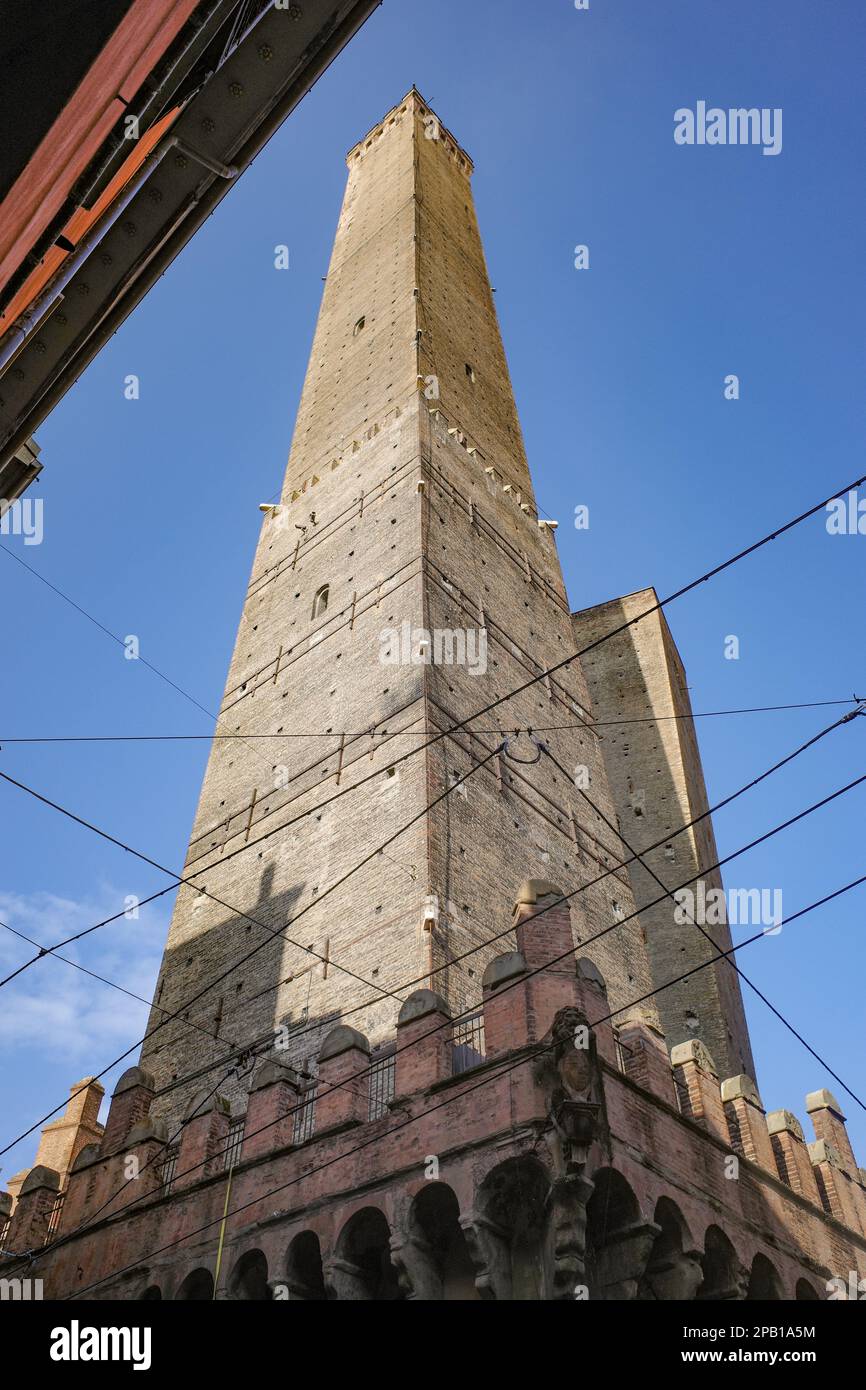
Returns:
point(513, 1203)
point(805, 1292)
point(196, 1286)
point(763, 1282)
point(363, 1268)
point(725, 1277)
point(611, 1212)
point(249, 1278)
point(358, 326)
point(444, 1269)
point(320, 602)
point(673, 1269)
point(304, 1268)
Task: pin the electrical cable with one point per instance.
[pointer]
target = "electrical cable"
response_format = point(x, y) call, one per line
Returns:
point(613, 927)
point(493, 1075)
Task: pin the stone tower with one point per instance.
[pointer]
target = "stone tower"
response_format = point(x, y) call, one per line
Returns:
point(403, 583)
point(655, 774)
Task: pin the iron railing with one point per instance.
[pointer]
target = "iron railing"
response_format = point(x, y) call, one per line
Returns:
point(169, 1164)
point(54, 1218)
point(305, 1118)
point(467, 1047)
point(381, 1085)
point(234, 1143)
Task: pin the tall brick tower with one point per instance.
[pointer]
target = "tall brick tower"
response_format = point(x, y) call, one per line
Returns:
point(343, 868)
point(403, 583)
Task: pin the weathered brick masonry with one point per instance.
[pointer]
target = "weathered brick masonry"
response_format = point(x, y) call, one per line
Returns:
point(399, 508)
point(524, 1177)
point(402, 1087)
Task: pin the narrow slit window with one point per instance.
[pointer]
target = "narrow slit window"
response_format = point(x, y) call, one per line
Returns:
point(359, 326)
point(320, 602)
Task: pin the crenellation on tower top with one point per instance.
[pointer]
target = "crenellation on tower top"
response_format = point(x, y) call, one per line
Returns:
point(414, 104)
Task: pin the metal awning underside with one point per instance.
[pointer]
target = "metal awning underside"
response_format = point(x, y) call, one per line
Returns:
point(217, 131)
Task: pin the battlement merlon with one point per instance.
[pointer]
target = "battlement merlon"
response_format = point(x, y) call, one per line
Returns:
point(414, 102)
point(560, 1080)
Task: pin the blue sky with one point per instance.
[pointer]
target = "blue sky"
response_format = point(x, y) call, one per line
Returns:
point(703, 262)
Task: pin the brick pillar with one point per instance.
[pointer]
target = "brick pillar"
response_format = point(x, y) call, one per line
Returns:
point(82, 1186)
point(146, 1143)
point(747, 1122)
point(29, 1226)
point(592, 1000)
point(698, 1087)
point(424, 1043)
point(130, 1105)
point(792, 1157)
point(203, 1140)
point(274, 1099)
point(828, 1123)
point(63, 1139)
point(344, 1058)
point(645, 1059)
point(544, 935)
point(836, 1188)
point(506, 1022)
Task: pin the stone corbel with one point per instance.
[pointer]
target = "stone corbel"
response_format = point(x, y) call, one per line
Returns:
point(621, 1262)
point(677, 1276)
point(490, 1254)
point(344, 1281)
point(734, 1291)
point(417, 1275)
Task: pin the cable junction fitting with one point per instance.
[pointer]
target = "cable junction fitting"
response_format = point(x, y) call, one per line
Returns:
point(524, 762)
